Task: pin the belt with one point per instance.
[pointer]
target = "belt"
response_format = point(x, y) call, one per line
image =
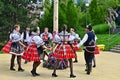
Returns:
point(89, 51)
point(90, 46)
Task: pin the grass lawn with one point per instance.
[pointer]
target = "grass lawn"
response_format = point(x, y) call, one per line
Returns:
point(103, 39)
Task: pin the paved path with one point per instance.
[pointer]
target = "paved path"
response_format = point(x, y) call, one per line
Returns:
point(108, 68)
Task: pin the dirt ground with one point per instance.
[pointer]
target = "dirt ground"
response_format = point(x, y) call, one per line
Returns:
point(108, 68)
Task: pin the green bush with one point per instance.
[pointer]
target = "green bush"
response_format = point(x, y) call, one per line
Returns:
point(103, 39)
point(1, 45)
point(101, 28)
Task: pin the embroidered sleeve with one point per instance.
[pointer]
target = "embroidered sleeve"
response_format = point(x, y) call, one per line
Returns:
point(57, 39)
point(50, 36)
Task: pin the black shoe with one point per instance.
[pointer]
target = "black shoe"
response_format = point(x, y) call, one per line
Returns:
point(86, 69)
point(25, 62)
point(88, 72)
point(37, 74)
point(72, 76)
point(12, 69)
point(54, 75)
point(76, 61)
point(94, 66)
point(33, 73)
point(21, 70)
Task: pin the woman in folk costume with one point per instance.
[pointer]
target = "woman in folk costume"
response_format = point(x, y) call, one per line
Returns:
point(63, 50)
point(76, 40)
point(46, 36)
point(34, 49)
point(17, 48)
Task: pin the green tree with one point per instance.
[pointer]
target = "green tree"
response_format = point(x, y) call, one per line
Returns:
point(15, 11)
point(68, 14)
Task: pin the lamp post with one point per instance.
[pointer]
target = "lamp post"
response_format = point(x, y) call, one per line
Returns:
point(87, 5)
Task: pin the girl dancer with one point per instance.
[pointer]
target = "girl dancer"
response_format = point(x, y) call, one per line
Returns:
point(63, 50)
point(34, 49)
point(17, 48)
point(75, 41)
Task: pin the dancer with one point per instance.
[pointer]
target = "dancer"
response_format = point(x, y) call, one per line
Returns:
point(46, 36)
point(25, 35)
point(63, 50)
point(89, 43)
point(17, 48)
point(75, 42)
point(34, 49)
point(96, 52)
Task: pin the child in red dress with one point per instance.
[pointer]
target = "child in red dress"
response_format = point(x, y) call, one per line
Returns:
point(76, 40)
point(34, 49)
point(63, 50)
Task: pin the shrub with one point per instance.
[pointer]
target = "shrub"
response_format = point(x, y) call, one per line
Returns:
point(101, 28)
point(1, 45)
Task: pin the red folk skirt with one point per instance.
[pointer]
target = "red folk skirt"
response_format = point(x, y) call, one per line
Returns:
point(31, 54)
point(96, 50)
point(64, 51)
point(7, 47)
point(76, 48)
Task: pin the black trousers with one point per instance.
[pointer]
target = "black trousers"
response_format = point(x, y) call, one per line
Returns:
point(88, 59)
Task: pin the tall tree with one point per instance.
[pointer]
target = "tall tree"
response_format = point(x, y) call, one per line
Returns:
point(15, 11)
point(68, 14)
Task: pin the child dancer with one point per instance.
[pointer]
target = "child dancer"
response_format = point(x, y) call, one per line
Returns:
point(16, 48)
point(75, 41)
point(35, 48)
point(63, 50)
point(46, 36)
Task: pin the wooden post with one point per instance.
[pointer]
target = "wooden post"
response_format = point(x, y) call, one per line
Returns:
point(55, 20)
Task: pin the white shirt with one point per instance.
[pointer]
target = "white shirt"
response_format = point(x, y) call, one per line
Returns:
point(49, 35)
point(85, 39)
point(38, 41)
point(27, 36)
point(15, 37)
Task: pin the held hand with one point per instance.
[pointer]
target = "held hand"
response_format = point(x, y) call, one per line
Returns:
point(74, 46)
point(24, 46)
point(50, 48)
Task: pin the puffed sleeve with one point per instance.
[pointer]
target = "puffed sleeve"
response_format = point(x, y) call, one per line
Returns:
point(77, 37)
point(71, 38)
point(29, 40)
point(41, 35)
point(22, 36)
point(10, 36)
point(50, 36)
point(39, 42)
point(57, 39)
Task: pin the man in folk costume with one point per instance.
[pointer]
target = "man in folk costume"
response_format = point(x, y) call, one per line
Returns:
point(89, 43)
point(46, 36)
point(25, 35)
point(17, 48)
point(63, 50)
point(76, 40)
point(34, 49)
